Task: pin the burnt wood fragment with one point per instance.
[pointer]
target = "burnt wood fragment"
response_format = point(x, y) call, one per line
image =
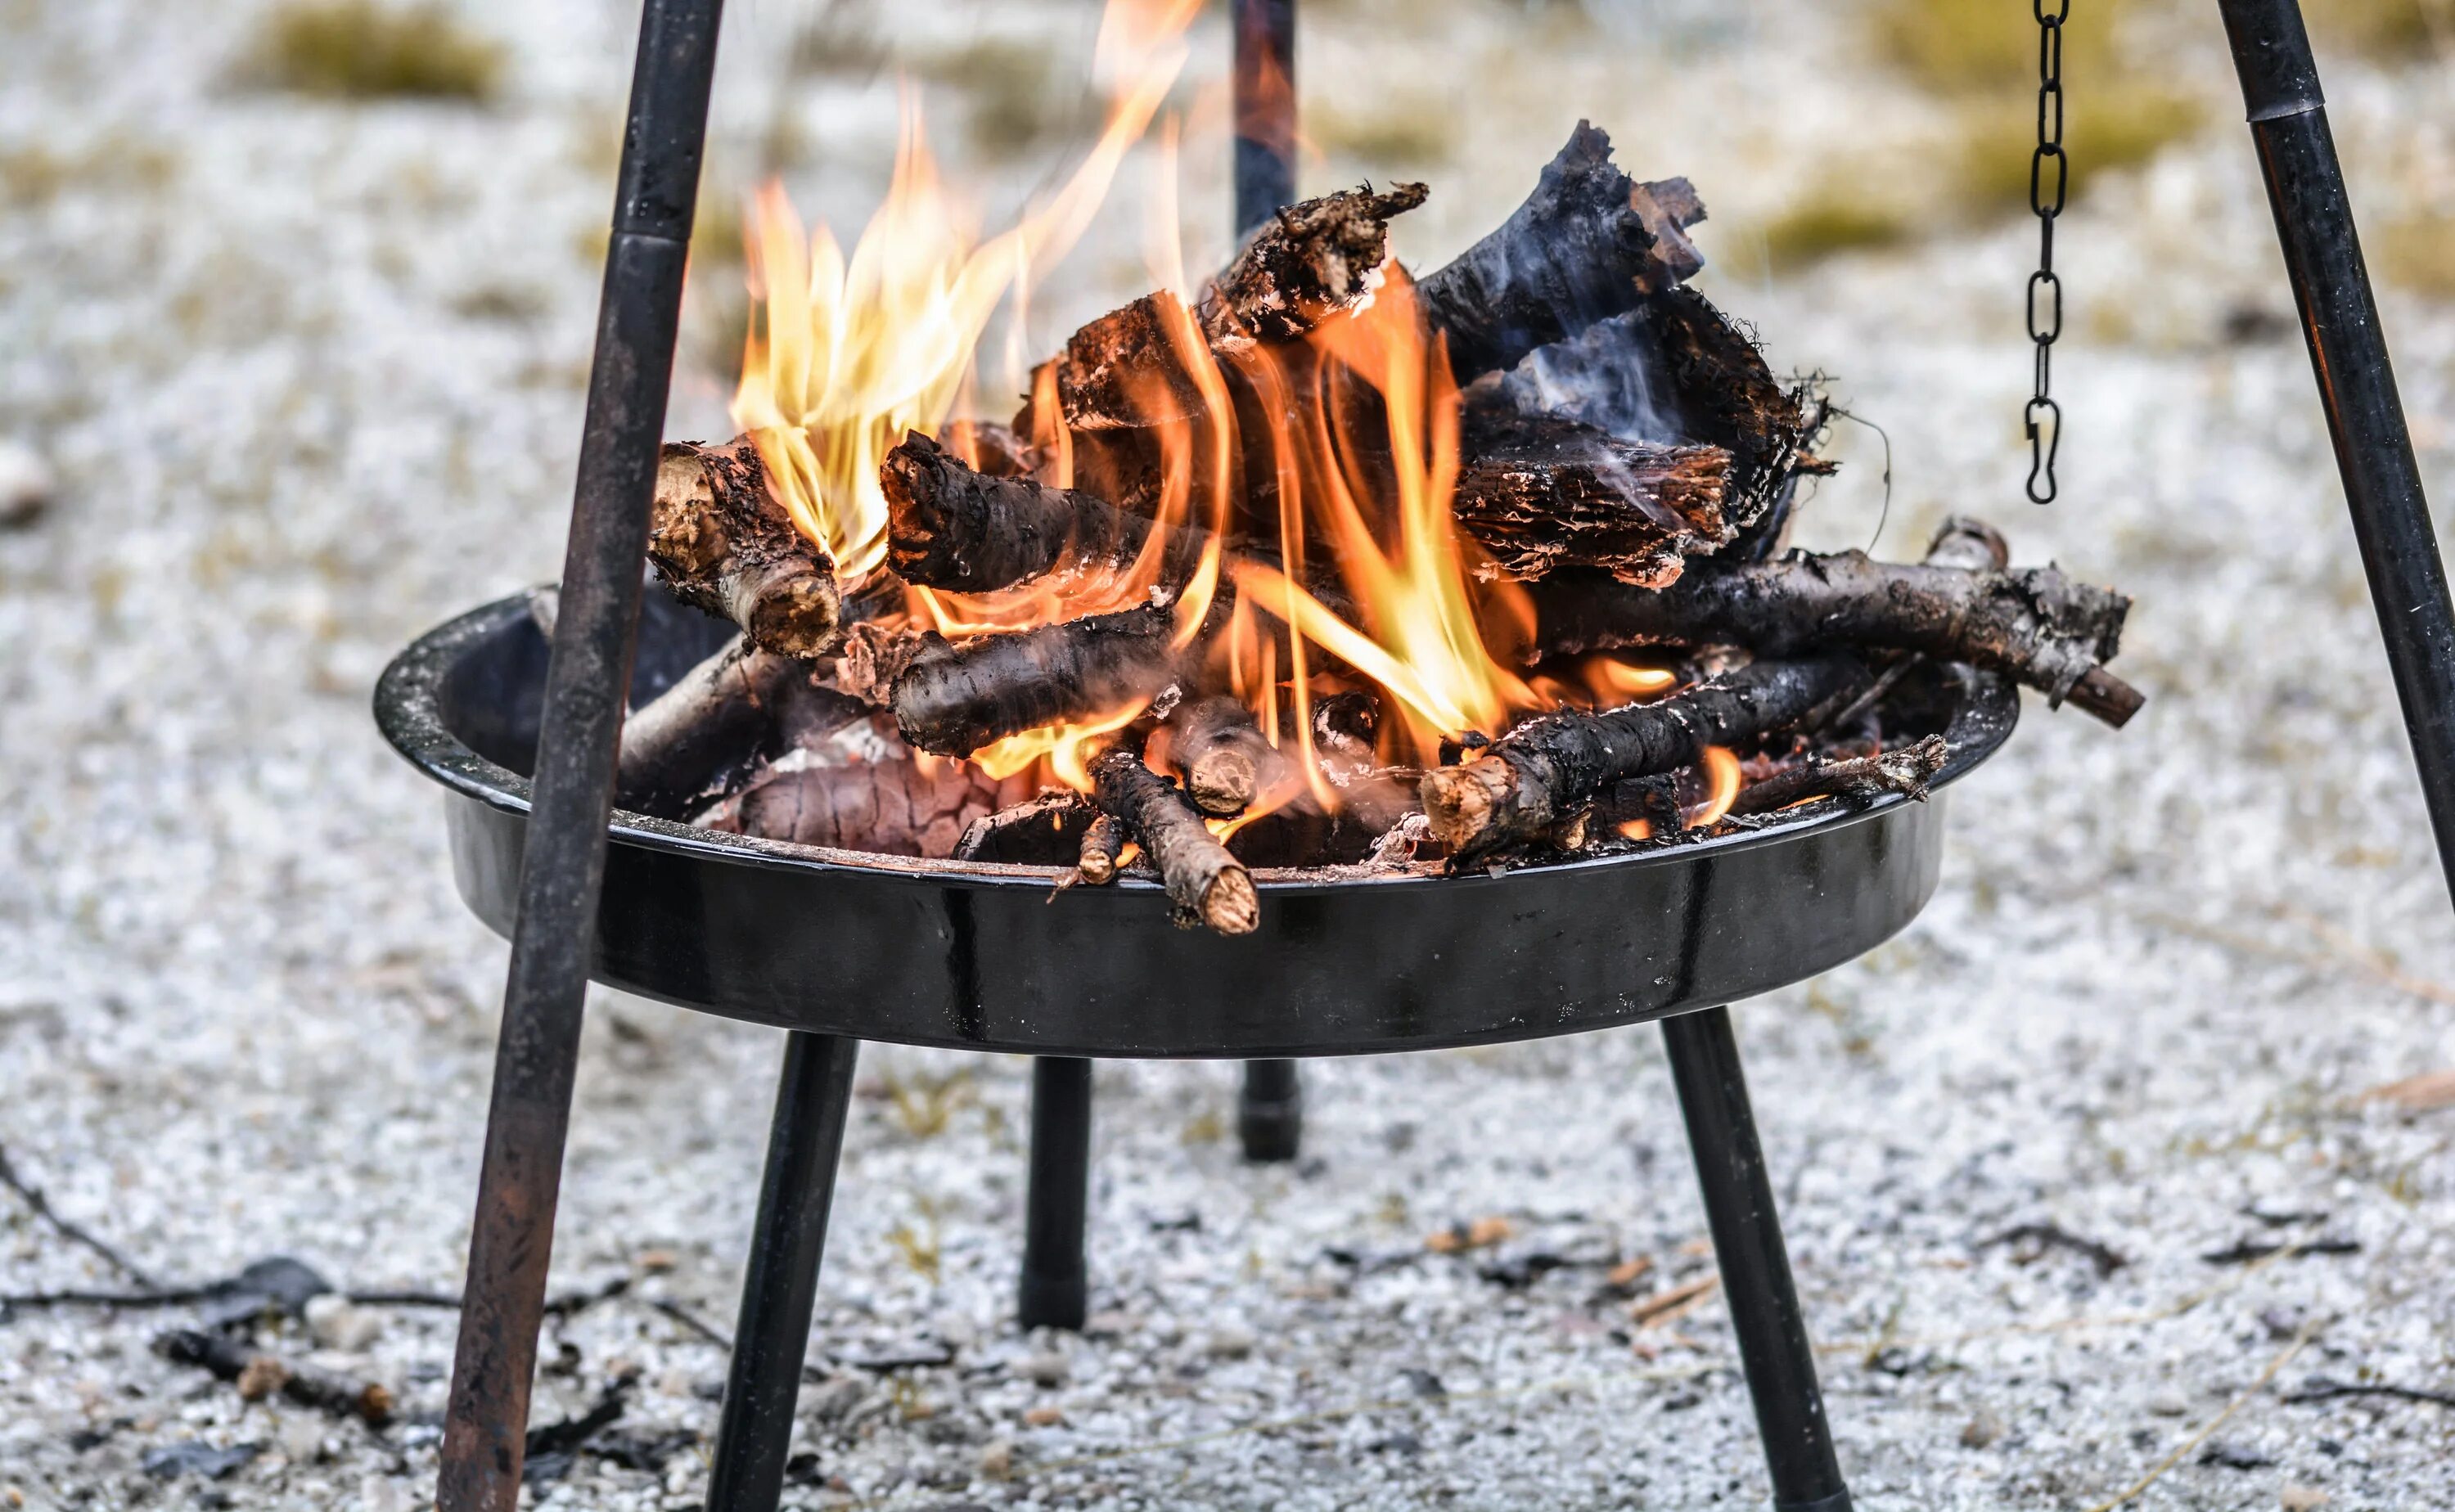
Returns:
point(719, 715)
point(1226, 761)
point(951, 527)
point(1532, 784)
point(1043, 831)
point(724, 546)
point(1101, 851)
point(1856, 779)
point(1541, 492)
point(893, 808)
point(1205, 884)
point(953, 698)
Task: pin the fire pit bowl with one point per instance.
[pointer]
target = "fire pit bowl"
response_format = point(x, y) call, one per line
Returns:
point(981, 957)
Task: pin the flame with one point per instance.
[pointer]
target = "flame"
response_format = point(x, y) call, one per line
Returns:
point(846, 354)
point(1635, 829)
point(1721, 787)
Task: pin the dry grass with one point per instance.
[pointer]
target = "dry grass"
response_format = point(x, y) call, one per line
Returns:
point(2388, 30)
point(1952, 46)
point(2121, 123)
point(2417, 253)
point(363, 50)
point(1831, 219)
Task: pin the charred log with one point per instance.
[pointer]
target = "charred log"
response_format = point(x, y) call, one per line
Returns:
point(2034, 624)
point(1855, 779)
point(1102, 850)
point(954, 698)
point(1588, 244)
point(724, 546)
point(1530, 786)
point(1545, 493)
point(868, 660)
point(951, 527)
point(720, 713)
point(1226, 762)
point(1044, 831)
point(1206, 884)
point(1306, 263)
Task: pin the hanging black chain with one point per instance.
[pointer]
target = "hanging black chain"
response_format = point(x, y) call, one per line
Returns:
point(2049, 180)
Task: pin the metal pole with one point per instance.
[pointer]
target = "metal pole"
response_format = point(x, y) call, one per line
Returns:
point(1269, 1110)
point(565, 862)
point(1056, 1207)
point(2331, 288)
point(1755, 1267)
point(780, 1285)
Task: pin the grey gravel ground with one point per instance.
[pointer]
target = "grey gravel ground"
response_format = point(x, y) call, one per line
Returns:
point(308, 376)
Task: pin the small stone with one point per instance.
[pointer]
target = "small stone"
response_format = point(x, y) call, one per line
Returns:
point(1229, 1342)
point(339, 1323)
point(2168, 1404)
point(302, 1438)
point(1043, 1370)
point(2301, 1499)
point(1044, 1417)
point(997, 1459)
point(829, 1402)
point(1982, 1428)
point(25, 485)
point(1109, 1325)
point(656, 1262)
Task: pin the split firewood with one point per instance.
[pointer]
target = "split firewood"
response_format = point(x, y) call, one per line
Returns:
point(1043, 831)
point(1226, 762)
point(1588, 244)
point(2034, 624)
point(1102, 850)
point(1122, 371)
point(1857, 779)
point(726, 546)
point(258, 1376)
point(894, 807)
point(1531, 786)
point(720, 713)
point(951, 527)
point(1206, 885)
point(1543, 493)
point(953, 698)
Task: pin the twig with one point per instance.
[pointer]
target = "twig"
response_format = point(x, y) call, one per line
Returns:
point(2208, 1431)
point(2248, 1250)
point(693, 1321)
point(41, 1205)
point(2054, 1235)
point(2321, 1389)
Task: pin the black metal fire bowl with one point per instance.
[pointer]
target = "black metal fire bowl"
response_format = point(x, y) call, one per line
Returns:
point(982, 956)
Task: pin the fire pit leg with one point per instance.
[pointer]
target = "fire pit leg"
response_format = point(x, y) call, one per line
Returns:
point(805, 1141)
point(1055, 1283)
point(1755, 1268)
point(2340, 320)
point(1270, 1113)
point(529, 1116)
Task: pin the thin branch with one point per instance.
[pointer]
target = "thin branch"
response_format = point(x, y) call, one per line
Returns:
point(41, 1205)
point(2300, 1341)
point(2321, 1389)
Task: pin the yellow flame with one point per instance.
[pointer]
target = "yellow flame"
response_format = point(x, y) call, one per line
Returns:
point(1721, 787)
point(846, 354)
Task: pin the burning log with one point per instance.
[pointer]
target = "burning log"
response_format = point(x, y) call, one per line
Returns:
point(1856, 779)
point(1530, 786)
point(1102, 850)
point(868, 660)
point(258, 1376)
point(951, 527)
point(1374, 797)
point(1036, 832)
point(1541, 492)
point(1226, 761)
point(1588, 244)
point(954, 698)
point(726, 546)
point(1206, 885)
point(722, 711)
point(2034, 624)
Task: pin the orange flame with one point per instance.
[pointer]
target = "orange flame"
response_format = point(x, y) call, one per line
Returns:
point(1721, 787)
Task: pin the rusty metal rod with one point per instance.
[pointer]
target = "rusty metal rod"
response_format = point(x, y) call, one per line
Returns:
point(564, 861)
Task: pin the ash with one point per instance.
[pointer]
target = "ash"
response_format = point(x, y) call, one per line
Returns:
point(309, 376)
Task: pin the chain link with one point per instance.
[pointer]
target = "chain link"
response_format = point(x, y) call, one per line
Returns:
point(2049, 182)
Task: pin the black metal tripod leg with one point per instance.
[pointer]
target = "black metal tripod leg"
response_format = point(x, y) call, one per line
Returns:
point(1054, 1279)
point(1269, 1110)
point(782, 1281)
point(1755, 1269)
point(2340, 319)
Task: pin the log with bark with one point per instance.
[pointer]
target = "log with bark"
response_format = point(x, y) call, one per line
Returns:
point(1102, 850)
point(2034, 624)
point(1043, 831)
point(258, 1375)
point(719, 716)
point(724, 545)
point(1588, 244)
point(895, 807)
point(1226, 762)
point(955, 697)
point(1205, 884)
point(955, 528)
point(1542, 493)
point(1531, 785)
point(1905, 771)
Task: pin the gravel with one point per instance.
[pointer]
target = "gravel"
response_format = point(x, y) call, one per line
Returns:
point(304, 378)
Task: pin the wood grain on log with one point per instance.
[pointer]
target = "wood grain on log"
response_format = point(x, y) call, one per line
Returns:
point(1544, 492)
point(726, 546)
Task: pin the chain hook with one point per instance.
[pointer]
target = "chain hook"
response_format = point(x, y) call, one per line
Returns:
point(2049, 186)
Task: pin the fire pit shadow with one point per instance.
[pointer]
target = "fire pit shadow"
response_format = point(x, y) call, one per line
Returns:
point(982, 956)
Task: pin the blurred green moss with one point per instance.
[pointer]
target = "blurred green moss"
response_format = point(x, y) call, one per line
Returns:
point(1012, 99)
point(2389, 31)
point(1952, 46)
point(2125, 122)
point(363, 49)
point(1830, 219)
point(1404, 130)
